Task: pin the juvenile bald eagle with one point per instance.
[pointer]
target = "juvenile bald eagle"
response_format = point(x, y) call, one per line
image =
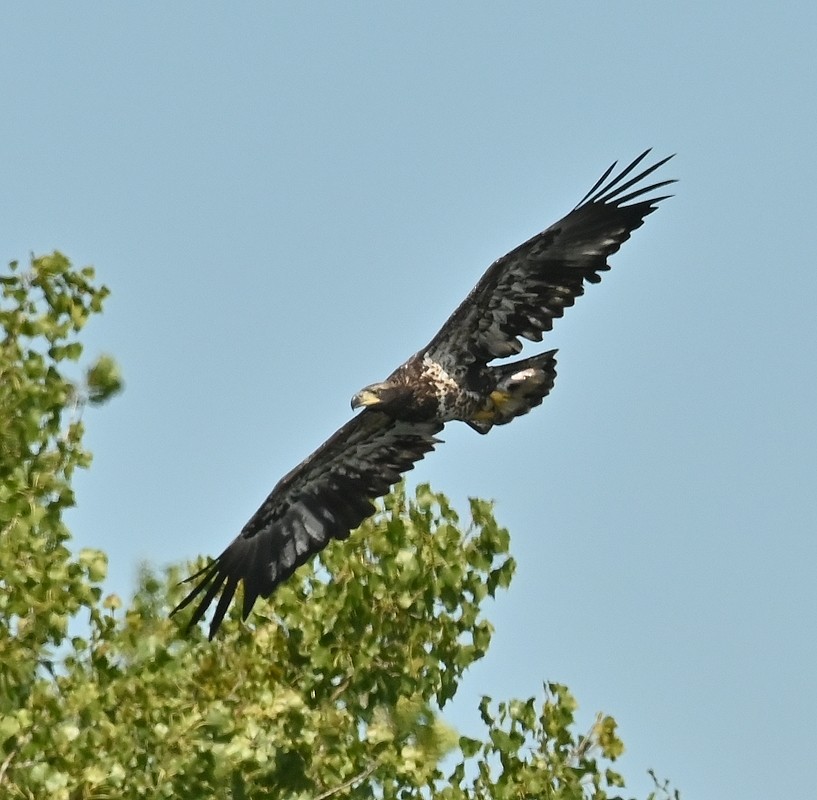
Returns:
point(331, 492)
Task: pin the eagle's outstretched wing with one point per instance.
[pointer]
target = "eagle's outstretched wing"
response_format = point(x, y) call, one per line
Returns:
point(326, 496)
point(522, 292)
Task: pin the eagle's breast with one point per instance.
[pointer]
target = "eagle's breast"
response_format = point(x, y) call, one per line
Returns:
point(454, 396)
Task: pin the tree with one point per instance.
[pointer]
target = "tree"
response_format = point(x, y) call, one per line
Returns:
point(330, 690)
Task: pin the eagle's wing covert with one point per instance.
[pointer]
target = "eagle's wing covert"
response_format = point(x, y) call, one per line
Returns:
point(326, 496)
point(522, 292)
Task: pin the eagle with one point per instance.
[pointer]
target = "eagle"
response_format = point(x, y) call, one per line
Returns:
point(331, 492)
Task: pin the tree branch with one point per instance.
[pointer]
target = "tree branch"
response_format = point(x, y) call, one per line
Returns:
point(348, 784)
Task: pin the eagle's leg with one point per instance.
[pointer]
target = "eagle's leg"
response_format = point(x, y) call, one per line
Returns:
point(520, 386)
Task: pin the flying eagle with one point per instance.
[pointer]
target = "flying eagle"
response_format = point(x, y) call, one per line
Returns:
point(330, 493)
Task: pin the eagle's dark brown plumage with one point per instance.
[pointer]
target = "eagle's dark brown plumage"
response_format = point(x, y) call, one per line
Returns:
point(331, 492)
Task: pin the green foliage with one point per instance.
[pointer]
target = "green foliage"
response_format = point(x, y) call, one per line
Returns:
point(332, 689)
point(44, 586)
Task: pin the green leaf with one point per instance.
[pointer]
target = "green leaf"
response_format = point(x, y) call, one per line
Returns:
point(104, 380)
point(9, 726)
point(470, 747)
point(96, 562)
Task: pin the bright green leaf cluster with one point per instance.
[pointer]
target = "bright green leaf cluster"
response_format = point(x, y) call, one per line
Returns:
point(331, 689)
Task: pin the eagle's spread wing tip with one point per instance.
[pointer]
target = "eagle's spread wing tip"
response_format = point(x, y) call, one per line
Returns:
point(604, 191)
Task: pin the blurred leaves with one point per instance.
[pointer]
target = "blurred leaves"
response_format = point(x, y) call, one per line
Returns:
point(331, 689)
point(103, 380)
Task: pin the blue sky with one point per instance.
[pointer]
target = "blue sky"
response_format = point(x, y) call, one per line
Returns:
point(288, 200)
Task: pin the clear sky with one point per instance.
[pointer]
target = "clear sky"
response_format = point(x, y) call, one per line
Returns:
point(287, 200)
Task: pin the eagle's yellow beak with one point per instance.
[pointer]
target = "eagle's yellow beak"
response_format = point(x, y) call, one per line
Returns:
point(364, 398)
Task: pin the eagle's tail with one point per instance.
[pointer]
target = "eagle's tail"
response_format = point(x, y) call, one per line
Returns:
point(520, 386)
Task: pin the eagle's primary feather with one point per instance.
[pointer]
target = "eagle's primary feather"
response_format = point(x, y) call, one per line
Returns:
point(331, 492)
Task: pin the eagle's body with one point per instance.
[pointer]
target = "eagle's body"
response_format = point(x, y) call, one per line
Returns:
point(422, 389)
point(452, 378)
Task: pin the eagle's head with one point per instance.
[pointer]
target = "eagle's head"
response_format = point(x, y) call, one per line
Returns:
point(384, 395)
